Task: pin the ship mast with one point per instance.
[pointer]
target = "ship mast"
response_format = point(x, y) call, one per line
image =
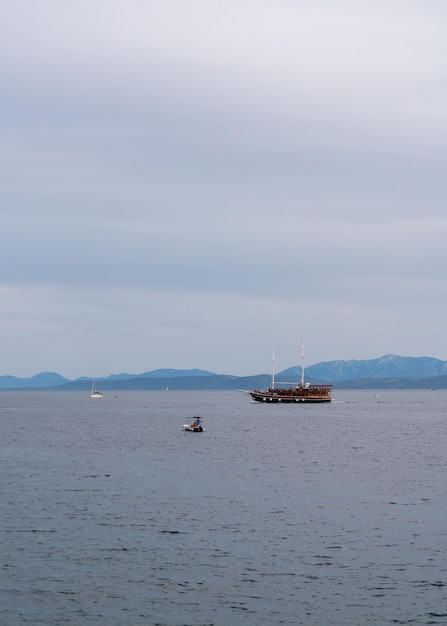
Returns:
point(302, 366)
point(273, 366)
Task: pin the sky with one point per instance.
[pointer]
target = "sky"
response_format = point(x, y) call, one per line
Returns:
point(185, 183)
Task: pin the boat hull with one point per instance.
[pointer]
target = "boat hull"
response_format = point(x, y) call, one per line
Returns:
point(193, 429)
point(286, 400)
point(293, 396)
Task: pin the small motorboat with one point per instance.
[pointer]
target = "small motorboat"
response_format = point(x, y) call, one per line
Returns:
point(195, 426)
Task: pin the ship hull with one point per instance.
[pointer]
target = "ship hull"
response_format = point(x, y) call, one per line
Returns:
point(292, 396)
point(265, 397)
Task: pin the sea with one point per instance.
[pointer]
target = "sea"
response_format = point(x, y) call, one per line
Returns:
point(112, 515)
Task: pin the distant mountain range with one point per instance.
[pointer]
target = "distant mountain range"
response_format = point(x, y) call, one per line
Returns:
point(388, 366)
point(389, 371)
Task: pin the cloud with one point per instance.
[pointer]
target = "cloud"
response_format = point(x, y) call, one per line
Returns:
point(184, 177)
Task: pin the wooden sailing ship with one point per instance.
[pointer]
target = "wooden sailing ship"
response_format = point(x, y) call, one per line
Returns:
point(294, 393)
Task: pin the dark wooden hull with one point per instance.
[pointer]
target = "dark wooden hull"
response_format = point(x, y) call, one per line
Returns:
point(292, 396)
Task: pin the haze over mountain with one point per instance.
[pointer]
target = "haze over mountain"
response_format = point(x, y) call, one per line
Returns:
point(388, 366)
point(386, 371)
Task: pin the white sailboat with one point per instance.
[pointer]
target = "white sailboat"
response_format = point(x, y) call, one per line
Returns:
point(95, 393)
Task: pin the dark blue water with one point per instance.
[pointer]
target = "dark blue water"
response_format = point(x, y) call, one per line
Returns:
point(330, 515)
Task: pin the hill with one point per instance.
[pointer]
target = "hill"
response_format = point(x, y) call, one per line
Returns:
point(389, 371)
point(39, 381)
point(388, 366)
point(209, 382)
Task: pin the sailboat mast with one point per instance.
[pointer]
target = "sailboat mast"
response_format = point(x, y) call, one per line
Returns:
point(302, 366)
point(273, 366)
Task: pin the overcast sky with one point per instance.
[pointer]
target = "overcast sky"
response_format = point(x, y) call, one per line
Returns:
point(185, 182)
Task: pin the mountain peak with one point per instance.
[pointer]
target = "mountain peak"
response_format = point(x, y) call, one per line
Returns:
point(387, 366)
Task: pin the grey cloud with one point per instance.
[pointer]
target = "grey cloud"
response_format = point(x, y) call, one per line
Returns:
point(188, 177)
